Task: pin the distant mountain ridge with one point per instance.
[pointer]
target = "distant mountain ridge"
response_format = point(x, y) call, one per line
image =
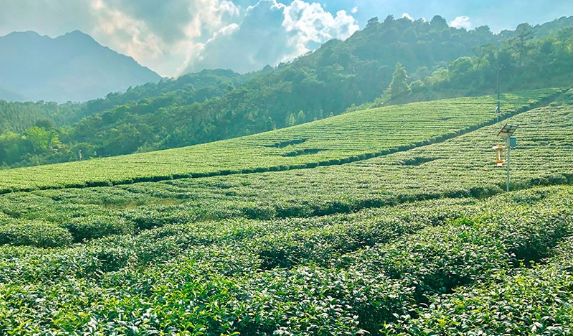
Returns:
point(70, 67)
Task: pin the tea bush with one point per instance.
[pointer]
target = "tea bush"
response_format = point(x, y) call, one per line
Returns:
point(536, 301)
point(97, 226)
point(40, 234)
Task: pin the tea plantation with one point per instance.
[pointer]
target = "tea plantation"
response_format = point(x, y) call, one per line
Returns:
point(342, 139)
point(391, 221)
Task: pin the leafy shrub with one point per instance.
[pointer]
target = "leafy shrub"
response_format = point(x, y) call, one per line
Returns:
point(259, 212)
point(4, 218)
point(315, 301)
point(536, 301)
point(346, 274)
point(436, 259)
point(40, 234)
point(109, 259)
point(151, 218)
point(97, 226)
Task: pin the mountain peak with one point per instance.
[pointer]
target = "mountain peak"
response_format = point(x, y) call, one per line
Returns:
point(77, 33)
point(70, 67)
point(22, 35)
point(77, 36)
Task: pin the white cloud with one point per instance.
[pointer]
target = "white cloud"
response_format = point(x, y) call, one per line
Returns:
point(204, 33)
point(258, 39)
point(461, 22)
point(119, 29)
point(407, 16)
point(355, 10)
point(174, 36)
point(310, 25)
point(164, 35)
point(272, 32)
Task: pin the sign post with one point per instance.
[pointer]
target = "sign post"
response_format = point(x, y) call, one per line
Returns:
point(507, 132)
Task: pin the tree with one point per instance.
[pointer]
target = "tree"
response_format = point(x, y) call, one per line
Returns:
point(461, 69)
point(373, 22)
point(389, 20)
point(39, 138)
point(300, 117)
point(291, 121)
point(438, 22)
point(12, 147)
point(523, 34)
point(399, 84)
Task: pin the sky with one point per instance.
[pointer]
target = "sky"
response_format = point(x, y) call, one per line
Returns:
point(173, 37)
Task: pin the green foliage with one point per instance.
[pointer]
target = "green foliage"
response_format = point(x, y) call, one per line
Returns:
point(521, 62)
point(351, 137)
point(399, 84)
point(535, 301)
point(38, 234)
point(291, 121)
point(120, 114)
point(345, 226)
point(206, 277)
point(17, 117)
point(96, 227)
point(39, 138)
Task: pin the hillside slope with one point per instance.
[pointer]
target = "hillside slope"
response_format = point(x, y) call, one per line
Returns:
point(349, 137)
point(71, 67)
point(457, 167)
point(215, 105)
point(461, 166)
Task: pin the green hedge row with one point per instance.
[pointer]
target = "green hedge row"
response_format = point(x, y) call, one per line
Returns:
point(535, 301)
point(37, 233)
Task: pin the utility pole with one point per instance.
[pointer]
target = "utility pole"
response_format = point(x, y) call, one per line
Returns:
point(497, 92)
point(508, 163)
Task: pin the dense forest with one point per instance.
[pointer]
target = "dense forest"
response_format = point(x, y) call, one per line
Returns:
point(396, 60)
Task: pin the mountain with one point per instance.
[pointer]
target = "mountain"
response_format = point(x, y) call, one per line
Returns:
point(71, 67)
point(438, 61)
point(325, 82)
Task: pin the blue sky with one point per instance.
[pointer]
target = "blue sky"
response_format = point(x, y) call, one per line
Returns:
point(173, 37)
point(497, 14)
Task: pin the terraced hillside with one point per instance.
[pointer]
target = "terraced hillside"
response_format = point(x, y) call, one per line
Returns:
point(346, 138)
point(461, 166)
point(403, 232)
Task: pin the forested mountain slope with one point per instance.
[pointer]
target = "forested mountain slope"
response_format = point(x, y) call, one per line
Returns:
point(198, 108)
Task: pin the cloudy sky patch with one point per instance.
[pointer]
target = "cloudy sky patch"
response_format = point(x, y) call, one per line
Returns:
point(461, 22)
point(176, 36)
point(407, 16)
point(272, 32)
